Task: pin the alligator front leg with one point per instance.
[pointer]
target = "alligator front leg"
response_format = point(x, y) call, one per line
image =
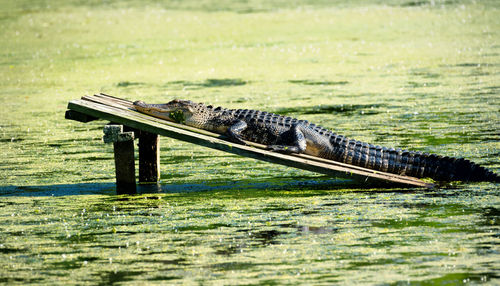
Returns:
point(293, 140)
point(234, 131)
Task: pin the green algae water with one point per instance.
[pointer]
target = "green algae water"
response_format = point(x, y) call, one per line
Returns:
point(422, 75)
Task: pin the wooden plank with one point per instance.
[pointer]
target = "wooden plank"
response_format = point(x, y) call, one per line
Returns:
point(127, 105)
point(115, 101)
point(78, 116)
point(344, 167)
point(94, 106)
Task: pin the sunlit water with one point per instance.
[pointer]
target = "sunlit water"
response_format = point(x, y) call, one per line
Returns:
point(417, 75)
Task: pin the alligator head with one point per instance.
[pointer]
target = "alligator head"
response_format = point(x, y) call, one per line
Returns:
point(176, 110)
point(181, 111)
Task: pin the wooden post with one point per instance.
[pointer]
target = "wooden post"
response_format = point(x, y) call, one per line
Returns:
point(123, 143)
point(149, 157)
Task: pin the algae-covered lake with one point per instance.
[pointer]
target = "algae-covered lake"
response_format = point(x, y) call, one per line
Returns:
point(422, 75)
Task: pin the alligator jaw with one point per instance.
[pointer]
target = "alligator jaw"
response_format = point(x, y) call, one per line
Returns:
point(157, 110)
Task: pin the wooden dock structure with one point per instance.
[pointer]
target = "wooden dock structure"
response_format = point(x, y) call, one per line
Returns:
point(128, 124)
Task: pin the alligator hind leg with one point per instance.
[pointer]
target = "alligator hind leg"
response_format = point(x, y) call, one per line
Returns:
point(294, 137)
point(234, 131)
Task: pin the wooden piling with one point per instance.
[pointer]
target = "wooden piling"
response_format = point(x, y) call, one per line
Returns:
point(125, 168)
point(123, 145)
point(149, 157)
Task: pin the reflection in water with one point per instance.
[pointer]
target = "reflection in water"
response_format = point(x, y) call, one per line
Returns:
point(316, 229)
point(110, 188)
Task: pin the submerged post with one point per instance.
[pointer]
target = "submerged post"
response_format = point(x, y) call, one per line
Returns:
point(123, 145)
point(149, 157)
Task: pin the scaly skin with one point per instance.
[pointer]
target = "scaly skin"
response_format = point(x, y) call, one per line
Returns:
point(290, 135)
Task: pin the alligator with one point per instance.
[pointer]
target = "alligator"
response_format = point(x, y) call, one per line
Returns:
point(289, 135)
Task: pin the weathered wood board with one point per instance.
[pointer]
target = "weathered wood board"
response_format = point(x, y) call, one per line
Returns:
point(122, 112)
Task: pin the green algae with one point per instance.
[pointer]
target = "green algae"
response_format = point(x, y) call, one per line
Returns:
point(253, 237)
point(411, 74)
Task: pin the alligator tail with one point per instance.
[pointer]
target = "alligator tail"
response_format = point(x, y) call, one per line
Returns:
point(410, 163)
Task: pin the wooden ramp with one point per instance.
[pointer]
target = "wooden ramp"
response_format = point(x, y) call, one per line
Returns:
point(120, 111)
